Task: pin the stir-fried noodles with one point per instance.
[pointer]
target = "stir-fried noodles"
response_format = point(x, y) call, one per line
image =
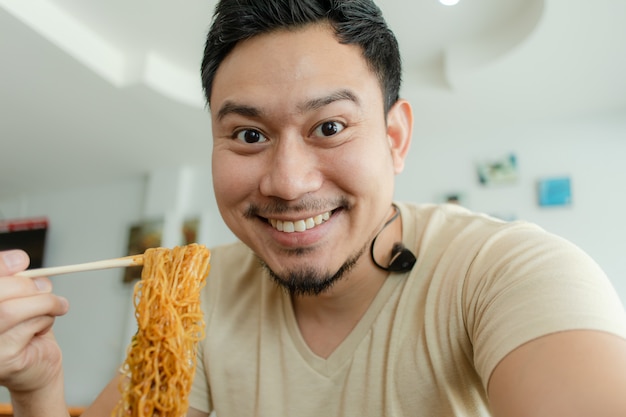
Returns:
point(161, 359)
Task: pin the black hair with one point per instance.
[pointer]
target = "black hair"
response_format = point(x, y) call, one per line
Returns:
point(358, 22)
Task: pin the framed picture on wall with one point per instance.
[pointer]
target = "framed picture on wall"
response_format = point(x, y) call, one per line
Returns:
point(142, 236)
point(28, 234)
point(453, 197)
point(190, 230)
point(501, 171)
point(554, 192)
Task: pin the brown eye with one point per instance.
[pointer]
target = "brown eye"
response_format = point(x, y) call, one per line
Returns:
point(250, 136)
point(329, 129)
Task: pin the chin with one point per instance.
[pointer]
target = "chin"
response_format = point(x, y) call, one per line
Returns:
point(306, 281)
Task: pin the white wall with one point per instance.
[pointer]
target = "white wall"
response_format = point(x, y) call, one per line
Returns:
point(590, 150)
point(92, 223)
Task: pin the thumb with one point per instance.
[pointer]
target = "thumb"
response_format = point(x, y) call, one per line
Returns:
point(12, 261)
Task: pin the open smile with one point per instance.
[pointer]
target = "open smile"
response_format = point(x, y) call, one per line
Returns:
point(300, 225)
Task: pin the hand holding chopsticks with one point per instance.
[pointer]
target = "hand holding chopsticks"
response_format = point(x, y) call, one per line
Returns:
point(134, 260)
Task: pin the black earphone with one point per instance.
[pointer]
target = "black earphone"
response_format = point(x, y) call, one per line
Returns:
point(402, 259)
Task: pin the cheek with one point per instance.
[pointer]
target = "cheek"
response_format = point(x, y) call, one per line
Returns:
point(368, 169)
point(232, 180)
point(231, 187)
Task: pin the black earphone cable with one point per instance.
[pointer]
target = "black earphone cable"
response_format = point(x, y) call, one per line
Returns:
point(387, 223)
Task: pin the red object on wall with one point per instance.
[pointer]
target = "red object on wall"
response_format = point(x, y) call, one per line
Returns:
point(28, 234)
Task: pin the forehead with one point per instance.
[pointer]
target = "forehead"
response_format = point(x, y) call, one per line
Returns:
point(288, 63)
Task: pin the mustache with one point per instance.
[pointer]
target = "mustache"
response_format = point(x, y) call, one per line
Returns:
point(278, 206)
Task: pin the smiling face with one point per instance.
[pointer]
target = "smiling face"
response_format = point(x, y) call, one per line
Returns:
point(303, 159)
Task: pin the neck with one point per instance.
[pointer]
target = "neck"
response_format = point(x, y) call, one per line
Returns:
point(325, 320)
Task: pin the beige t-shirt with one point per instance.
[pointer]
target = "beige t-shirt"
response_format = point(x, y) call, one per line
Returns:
point(429, 341)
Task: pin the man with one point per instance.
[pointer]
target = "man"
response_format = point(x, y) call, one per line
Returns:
point(312, 313)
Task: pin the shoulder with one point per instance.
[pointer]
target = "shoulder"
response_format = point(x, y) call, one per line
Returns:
point(233, 263)
point(456, 230)
point(513, 281)
point(445, 217)
point(231, 258)
point(235, 271)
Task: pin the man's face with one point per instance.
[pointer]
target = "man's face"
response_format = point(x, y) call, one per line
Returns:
point(302, 167)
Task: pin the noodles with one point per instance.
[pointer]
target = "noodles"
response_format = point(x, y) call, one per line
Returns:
point(161, 359)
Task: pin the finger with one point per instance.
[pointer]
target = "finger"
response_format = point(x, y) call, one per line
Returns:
point(18, 287)
point(22, 334)
point(12, 261)
point(19, 310)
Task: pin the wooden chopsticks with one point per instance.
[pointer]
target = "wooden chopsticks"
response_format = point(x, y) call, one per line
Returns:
point(134, 260)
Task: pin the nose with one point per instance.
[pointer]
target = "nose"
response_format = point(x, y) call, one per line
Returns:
point(292, 170)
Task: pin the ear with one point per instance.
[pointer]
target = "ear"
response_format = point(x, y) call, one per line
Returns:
point(399, 132)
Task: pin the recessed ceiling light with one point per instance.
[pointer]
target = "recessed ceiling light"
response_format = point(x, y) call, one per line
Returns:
point(448, 2)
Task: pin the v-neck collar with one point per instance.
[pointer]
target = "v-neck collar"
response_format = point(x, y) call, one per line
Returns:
point(340, 356)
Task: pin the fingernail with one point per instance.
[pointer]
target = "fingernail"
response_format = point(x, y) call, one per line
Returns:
point(42, 284)
point(65, 302)
point(13, 259)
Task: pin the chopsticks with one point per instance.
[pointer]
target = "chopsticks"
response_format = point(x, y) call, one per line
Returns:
point(134, 260)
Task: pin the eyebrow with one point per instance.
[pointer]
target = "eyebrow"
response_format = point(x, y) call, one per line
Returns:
point(231, 107)
point(320, 102)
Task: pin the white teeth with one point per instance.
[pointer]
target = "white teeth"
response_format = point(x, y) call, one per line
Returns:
point(288, 227)
point(299, 225)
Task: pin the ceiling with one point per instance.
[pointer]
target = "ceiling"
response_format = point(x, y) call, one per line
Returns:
point(95, 91)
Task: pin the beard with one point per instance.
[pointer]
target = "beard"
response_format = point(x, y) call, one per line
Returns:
point(310, 281)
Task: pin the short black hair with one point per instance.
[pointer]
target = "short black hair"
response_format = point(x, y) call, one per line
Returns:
point(358, 22)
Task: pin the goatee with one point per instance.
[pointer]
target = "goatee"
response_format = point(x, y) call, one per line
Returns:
point(309, 281)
